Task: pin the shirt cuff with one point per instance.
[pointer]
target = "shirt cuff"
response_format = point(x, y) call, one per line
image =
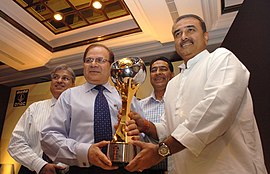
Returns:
point(82, 154)
point(38, 164)
point(161, 131)
point(188, 139)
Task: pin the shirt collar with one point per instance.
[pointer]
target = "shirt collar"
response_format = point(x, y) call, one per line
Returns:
point(89, 86)
point(53, 101)
point(153, 96)
point(194, 60)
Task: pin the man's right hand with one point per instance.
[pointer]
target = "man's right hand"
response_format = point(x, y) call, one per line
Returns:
point(50, 169)
point(98, 158)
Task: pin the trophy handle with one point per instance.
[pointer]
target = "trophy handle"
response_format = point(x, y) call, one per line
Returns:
point(127, 92)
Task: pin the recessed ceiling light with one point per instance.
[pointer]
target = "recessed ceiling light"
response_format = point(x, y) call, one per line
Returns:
point(58, 16)
point(97, 5)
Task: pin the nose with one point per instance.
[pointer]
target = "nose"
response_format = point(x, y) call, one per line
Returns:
point(59, 79)
point(184, 35)
point(158, 71)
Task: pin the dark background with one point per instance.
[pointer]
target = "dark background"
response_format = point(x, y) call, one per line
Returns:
point(249, 39)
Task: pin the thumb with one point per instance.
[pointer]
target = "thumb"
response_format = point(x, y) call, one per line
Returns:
point(138, 143)
point(102, 143)
point(60, 167)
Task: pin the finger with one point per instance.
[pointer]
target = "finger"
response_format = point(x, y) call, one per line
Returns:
point(133, 165)
point(102, 144)
point(105, 163)
point(59, 167)
point(116, 126)
point(136, 138)
point(130, 125)
point(135, 132)
point(138, 143)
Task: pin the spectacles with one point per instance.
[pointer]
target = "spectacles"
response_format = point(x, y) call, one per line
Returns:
point(99, 60)
point(57, 77)
point(161, 69)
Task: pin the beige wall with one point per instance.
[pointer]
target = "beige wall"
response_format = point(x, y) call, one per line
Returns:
point(40, 92)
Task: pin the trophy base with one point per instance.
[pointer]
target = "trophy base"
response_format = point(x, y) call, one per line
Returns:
point(121, 153)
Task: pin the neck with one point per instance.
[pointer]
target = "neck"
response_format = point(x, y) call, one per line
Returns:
point(159, 94)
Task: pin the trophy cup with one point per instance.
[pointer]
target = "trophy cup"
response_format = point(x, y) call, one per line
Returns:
point(127, 74)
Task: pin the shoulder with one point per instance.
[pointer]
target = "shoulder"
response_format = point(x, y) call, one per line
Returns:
point(221, 52)
point(41, 102)
point(144, 100)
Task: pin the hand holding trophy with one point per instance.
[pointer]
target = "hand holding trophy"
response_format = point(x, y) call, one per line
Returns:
point(127, 74)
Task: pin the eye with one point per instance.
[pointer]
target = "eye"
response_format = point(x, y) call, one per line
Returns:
point(153, 70)
point(55, 77)
point(99, 60)
point(65, 78)
point(191, 29)
point(88, 60)
point(163, 68)
point(177, 33)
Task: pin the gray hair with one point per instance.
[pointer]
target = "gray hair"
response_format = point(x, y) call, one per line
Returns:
point(64, 67)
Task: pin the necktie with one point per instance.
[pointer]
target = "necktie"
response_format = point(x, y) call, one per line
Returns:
point(102, 118)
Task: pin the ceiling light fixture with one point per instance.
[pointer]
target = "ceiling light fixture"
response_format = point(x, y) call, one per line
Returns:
point(97, 5)
point(58, 16)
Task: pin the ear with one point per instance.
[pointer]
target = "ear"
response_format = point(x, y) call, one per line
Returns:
point(206, 37)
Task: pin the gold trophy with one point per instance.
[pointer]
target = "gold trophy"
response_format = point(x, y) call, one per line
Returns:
point(127, 74)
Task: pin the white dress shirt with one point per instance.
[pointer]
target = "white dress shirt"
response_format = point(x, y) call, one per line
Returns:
point(69, 132)
point(208, 108)
point(24, 145)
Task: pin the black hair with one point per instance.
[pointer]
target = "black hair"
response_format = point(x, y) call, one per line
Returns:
point(163, 59)
point(192, 16)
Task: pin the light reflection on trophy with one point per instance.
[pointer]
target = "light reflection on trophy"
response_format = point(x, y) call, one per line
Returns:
point(127, 74)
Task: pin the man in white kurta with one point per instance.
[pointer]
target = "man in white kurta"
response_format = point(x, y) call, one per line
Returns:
point(213, 119)
point(208, 126)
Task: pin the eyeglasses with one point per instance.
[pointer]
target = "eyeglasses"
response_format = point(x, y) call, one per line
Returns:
point(57, 77)
point(99, 60)
point(161, 69)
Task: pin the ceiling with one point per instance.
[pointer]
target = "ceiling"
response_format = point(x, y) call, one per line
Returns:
point(29, 50)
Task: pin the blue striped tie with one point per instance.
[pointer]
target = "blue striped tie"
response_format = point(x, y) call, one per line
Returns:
point(102, 118)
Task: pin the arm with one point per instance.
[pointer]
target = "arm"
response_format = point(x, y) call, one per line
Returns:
point(55, 139)
point(20, 146)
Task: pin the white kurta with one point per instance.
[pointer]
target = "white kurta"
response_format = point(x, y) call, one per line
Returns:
point(208, 108)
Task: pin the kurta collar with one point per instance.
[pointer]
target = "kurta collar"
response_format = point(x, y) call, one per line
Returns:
point(194, 60)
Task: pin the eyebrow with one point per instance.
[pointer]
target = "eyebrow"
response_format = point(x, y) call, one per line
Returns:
point(188, 26)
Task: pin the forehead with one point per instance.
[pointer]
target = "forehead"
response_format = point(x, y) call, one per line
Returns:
point(160, 63)
point(63, 72)
point(97, 51)
point(185, 22)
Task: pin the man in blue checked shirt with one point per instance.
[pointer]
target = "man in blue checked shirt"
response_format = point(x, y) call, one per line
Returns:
point(161, 72)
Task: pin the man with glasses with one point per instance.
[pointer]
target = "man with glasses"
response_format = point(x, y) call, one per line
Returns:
point(70, 135)
point(161, 72)
point(24, 144)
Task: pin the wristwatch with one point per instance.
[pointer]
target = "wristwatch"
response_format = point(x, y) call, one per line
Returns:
point(163, 150)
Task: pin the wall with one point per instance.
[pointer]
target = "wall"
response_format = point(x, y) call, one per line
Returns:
point(249, 39)
point(4, 93)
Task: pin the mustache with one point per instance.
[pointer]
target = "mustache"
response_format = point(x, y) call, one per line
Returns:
point(186, 41)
